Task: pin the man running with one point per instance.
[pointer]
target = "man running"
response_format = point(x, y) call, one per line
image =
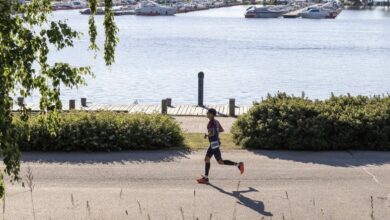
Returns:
point(214, 128)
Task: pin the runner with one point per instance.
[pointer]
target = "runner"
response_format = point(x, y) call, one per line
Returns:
point(214, 128)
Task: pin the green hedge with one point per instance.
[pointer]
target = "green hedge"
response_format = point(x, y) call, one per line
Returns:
point(103, 131)
point(297, 123)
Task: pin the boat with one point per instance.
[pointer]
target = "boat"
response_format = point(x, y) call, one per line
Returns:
point(315, 13)
point(124, 10)
point(330, 10)
point(87, 11)
point(150, 8)
point(69, 5)
point(117, 10)
point(267, 12)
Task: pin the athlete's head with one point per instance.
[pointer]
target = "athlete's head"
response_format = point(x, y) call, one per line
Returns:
point(211, 113)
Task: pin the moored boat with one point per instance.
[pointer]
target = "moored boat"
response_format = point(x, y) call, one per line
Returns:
point(87, 11)
point(267, 12)
point(315, 13)
point(69, 5)
point(330, 10)
point(117, 10)
point(150, 8)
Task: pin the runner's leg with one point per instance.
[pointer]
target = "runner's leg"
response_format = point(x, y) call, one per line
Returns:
point(209, 154)
point(218, 157)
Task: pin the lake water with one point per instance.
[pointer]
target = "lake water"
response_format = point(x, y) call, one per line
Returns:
point(159, 57)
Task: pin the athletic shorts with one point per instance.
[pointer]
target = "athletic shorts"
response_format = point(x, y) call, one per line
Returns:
point(216, 152)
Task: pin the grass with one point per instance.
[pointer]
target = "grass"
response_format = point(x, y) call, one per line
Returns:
point(196, 141)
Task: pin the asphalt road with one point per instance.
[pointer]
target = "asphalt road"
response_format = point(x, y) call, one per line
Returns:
point(161, 185)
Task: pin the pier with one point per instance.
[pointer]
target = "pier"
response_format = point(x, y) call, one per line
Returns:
point(230, 109)
point(177, 110)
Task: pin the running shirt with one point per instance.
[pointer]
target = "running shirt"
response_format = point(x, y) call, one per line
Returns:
point(213, 125)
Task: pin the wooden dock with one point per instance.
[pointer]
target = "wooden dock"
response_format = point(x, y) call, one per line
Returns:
point(177, 110)
point(166, 107)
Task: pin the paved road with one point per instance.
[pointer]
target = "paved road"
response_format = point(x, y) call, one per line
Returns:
point(296, 185)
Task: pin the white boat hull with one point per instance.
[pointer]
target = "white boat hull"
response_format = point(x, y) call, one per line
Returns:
point(155, 12)
point(264, 15)
point(153, 9)
point(315, 15)
point(265, 12)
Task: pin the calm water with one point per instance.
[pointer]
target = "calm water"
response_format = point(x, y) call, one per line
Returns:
point(160, 57)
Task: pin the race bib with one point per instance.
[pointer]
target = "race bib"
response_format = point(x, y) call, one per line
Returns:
point(214, 144)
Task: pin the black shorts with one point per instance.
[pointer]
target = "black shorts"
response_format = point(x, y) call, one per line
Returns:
point(216, 152)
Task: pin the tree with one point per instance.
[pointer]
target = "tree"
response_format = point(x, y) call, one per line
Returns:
point(26, 36)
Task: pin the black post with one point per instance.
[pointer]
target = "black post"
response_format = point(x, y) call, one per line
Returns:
point(200, 88)
point(20, 101)
point(164, 107)
point(72, 104)
point(169, 102)
point(84, 102)
point(232, 107)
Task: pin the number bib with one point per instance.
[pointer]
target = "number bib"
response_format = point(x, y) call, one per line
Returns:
point(214, 144)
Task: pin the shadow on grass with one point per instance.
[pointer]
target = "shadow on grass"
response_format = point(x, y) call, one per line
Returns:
point(330, 158)
point(106, 158)
point(255, 205)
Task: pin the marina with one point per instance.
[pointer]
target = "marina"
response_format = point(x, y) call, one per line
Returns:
point(289, 9)
point(151, 8)
point(297, 9)
point(159, 57)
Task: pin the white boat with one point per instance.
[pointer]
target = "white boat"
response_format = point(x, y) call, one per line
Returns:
point(329, 10)
point(117, 10)
point(267, 12)
point(315, 13)
point(87, 11)
point(70, 5)
point(150, 8)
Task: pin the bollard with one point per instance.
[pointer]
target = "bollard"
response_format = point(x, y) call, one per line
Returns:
point(169, 102)
point(72, 104)
point(200, 88)
point(232, 107)
point(83, 102)
point(20, 101)
point(164, 107)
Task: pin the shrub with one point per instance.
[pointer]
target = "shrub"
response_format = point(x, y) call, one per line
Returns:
point(297, 123)
point(102, 131)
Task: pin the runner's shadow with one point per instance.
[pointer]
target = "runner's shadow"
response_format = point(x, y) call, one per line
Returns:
point(255, 205)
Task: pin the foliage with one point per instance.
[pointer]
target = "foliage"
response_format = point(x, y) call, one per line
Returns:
point(26, 36)
point(297, 123)
point(101, 131)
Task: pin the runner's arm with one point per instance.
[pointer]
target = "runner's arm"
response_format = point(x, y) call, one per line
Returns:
point(220, 127)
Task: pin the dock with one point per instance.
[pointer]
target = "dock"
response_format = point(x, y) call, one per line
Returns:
point(230, 109)
point(177, 110)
